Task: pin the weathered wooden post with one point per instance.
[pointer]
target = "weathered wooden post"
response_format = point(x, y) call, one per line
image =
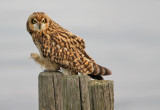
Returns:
point(74, 92)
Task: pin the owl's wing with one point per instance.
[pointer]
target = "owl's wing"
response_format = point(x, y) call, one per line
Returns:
point(68, 51)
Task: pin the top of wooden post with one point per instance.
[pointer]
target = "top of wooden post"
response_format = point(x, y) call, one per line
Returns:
point(74, 92)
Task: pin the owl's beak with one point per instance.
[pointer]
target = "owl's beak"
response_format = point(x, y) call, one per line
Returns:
point(39, 26)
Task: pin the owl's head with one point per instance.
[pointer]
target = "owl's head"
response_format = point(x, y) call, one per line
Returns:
point(38, 21)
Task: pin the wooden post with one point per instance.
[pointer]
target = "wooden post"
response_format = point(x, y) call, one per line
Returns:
point(74, 92)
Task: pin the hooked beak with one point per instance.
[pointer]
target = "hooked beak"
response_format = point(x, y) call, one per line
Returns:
point(40, 26)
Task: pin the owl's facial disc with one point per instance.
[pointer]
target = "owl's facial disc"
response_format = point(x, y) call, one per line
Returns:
point(39, 25)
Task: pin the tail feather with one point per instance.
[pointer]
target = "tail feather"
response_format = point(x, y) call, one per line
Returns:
point(99, 71)
point(98, 77)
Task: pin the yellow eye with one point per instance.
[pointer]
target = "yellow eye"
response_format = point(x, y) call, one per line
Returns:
point(44, 21)
point(33, 21)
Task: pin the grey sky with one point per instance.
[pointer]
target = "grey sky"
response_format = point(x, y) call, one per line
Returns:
point(123, 35)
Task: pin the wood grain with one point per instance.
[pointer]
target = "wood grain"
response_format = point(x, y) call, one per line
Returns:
point(74, 92)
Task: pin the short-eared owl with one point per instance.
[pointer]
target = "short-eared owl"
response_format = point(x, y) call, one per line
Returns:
point(59, 48)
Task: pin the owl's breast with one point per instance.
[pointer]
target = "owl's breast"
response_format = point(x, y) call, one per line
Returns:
point(39, 46)
point(37, 39)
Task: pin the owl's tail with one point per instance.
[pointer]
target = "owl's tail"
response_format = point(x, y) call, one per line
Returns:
point(99, 71)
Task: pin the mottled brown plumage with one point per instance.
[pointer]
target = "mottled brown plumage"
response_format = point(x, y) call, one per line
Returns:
point(60, 48)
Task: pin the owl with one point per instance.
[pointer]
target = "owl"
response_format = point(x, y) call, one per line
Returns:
point(59, 49)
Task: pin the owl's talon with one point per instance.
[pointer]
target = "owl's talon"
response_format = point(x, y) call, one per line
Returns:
point(34, 55)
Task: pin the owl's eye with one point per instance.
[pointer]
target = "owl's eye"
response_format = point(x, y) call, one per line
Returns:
point(44, 21)
point(33, 21)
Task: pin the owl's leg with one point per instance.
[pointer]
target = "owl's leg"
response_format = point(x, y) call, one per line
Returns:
point(65, 71)
point(36, 58)
point(50, 66)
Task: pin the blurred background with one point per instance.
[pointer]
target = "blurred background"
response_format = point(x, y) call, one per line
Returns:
point(123, 35)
